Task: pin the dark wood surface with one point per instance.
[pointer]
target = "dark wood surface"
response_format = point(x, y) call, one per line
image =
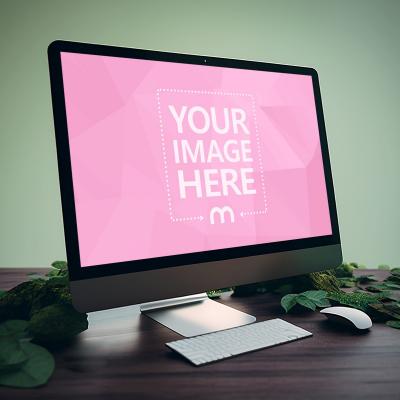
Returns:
point(122, 355)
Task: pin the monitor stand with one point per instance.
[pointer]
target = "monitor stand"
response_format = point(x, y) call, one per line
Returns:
point(195, 315)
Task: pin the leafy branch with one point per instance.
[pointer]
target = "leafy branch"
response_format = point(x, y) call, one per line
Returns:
point(35, 313)
point(310, 299)
point(381, 300)
point(22, 363)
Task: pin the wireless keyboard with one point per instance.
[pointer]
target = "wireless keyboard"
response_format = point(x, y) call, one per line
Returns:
point(228, 343)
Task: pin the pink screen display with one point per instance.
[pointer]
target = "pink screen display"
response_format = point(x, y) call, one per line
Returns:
point(172, 158)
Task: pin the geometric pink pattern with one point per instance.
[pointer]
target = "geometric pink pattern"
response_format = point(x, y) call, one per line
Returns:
point(128, 194)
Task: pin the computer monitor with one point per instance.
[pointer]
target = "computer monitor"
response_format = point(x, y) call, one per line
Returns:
point(184, 173)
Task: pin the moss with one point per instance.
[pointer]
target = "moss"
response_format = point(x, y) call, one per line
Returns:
point(358, 300)
point(48, 295)
point(46, 303)
point(17, 302)
point(325, 280)
point(57, 323)
point(345, 270)
point(29, 297)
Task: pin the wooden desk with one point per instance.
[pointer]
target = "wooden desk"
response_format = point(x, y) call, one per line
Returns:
point(122, 355)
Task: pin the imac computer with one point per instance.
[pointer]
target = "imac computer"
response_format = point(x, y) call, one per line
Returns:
point(183, 173)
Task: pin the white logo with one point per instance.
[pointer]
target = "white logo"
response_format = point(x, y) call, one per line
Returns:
point(221, 212)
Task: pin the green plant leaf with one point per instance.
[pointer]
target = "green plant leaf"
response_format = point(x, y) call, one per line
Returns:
point(58, 281)
point(14, 327)
point(347, 282)
point(323, 303)
point(382, 286)
point(366, 279)
point(384, 311)
point(386, 295)
point(11, 354)
point(60, 269)
point(59, 264)
point(35, 371)
point(393, 324)
point(345, 270)
point(53, 272)
point(375, 288)
point(395, 271)
point(305, 302)
point(310, 299)
point(288, 301)
point(393, 279)
point(391, 285)
point(315, 295)
point(384, 267)
point(354, 264)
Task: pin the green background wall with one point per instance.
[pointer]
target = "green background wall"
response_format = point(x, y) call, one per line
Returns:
point(353, 44)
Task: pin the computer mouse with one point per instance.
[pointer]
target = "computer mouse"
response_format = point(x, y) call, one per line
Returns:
point(348, 316)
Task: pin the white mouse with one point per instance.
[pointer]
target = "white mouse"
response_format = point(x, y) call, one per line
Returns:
point(358, 318)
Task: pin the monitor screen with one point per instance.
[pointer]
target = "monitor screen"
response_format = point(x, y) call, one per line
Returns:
point(172, 158)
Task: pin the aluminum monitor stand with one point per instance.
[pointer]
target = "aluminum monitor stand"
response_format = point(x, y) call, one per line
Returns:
point(195, 315)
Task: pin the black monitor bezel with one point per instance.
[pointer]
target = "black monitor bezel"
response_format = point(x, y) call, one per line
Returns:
point(65, 175)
